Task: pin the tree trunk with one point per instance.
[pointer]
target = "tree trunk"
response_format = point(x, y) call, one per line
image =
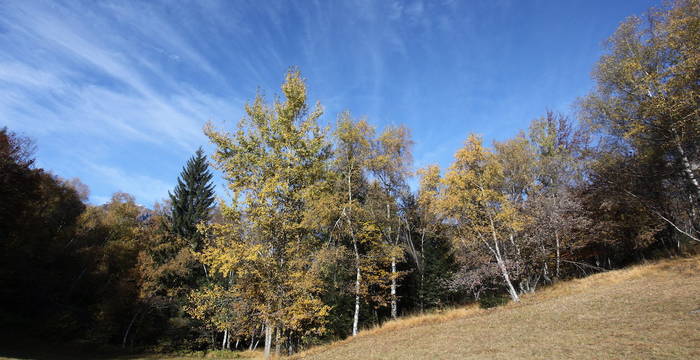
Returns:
point(511, 290)
point(687, 169)
point(393, 265)
point(504, 271)
point(496, 250)
point(128, 328)
point(268, 340)
point(556, 237)
point(358, 278)
point(393, 287)
point(422, 272)
point(356, 316)
point(278, 346)
point(252, 339)
point(223, 342)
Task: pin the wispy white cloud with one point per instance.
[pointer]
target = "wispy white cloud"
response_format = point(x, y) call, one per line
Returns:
point(100, 74)
point(150, 103)
point(129, 84)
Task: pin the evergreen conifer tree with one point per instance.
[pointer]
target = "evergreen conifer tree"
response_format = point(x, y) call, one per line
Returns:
point(192, 199)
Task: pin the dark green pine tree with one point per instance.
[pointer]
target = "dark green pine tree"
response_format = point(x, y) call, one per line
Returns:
point(192, 199)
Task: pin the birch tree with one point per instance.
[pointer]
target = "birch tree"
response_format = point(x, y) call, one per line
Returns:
point(480, 212)
point(275, 163)
point(391, 164)
point(352, 222)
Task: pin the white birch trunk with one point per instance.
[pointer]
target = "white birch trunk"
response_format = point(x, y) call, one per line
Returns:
point(268, 340)
point(393, 268)
point(393, 288)
point(687, 169)
point(356, 316)
point(422, 273)
point(504, 271)
point(556, 236)
point(278, 346)
point(511, 290)
point(223, 342)
point(496, 250)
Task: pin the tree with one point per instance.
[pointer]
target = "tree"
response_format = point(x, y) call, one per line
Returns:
point(114, 235)
point(353, 225)
point(192, 200)
point(426, 284)
point(168, 272)
point(390, 163)
point(39, 255)
point(275, 163)
point(481, 213)
point(646, 107)
point(18, 179)
point(560, 220)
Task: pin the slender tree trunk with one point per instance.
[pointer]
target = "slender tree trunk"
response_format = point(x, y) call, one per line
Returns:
point(556, 237)
point(252, 339)
point(223, 342)
point(512, 241)
point(393, 288)
point(504, 271)
point(256, 344)
point(393, 266)
point(128, 328)
point(421, 293)
point(501, 264)
point(687, 169)
point(278, 345)
point(206, 273)
point(356, 316)
point(268, 340)
point(511, 290)
point(358, 278)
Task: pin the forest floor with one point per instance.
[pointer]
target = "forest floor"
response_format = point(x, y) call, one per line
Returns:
point(649, 311)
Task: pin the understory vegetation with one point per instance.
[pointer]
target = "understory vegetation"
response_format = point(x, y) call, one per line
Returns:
point(322, 236)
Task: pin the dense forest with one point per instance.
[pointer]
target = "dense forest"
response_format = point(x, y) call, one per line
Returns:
point(323, 235)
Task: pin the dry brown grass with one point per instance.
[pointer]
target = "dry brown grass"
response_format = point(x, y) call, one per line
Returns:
point(643, 312)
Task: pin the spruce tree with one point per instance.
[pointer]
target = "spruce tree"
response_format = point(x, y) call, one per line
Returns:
point(192, 199)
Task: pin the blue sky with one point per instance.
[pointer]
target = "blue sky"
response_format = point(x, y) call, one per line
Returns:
point(116, 92)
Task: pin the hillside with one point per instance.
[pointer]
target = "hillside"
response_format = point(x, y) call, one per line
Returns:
point(644, 312)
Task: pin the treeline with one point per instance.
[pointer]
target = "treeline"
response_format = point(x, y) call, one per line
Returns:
point(323, 235)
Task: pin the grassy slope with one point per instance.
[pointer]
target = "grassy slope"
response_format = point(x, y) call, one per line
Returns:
point(644, 312)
